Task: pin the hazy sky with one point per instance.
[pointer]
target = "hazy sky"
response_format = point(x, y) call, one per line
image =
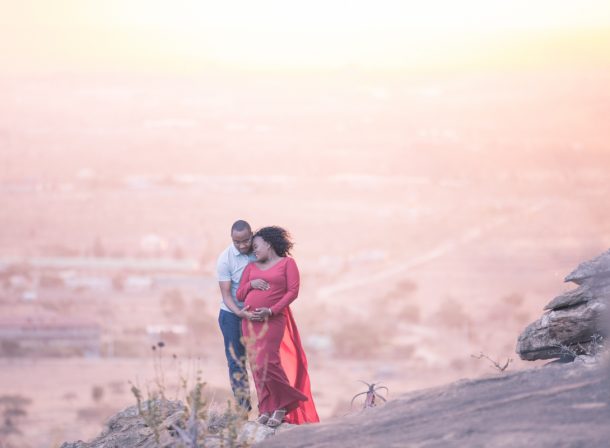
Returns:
point(186, 36)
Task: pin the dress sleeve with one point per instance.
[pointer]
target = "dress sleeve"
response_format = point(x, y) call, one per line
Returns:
point(244, 284)
point(292, 287)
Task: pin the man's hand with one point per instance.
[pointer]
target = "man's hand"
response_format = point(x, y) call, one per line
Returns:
point(244, 313)
point(259, 284)
point(261, 314)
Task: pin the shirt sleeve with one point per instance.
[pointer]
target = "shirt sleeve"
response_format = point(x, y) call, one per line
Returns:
point(292, 287)
point(223, 271)
point(244, 284)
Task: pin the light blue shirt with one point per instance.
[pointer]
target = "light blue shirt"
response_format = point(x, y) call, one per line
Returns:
point(229, 267)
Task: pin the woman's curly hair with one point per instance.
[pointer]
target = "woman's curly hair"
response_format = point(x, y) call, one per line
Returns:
point(277, 237)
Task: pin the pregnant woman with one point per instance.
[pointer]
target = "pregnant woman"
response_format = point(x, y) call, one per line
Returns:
point(279, 365)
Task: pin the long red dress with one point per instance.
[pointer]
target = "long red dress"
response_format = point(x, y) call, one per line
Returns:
point(278, 361)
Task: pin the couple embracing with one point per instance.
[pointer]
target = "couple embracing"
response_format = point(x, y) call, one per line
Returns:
point(258, 281)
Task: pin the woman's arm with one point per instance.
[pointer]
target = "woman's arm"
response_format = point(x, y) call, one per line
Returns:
point(292, 287)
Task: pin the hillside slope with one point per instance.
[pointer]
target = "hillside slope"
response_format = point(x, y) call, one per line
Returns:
point(559, 405)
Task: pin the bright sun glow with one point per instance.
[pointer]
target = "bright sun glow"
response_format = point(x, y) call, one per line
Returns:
point(187, 34)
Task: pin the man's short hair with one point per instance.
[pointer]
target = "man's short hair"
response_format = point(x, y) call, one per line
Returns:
point(240, 225)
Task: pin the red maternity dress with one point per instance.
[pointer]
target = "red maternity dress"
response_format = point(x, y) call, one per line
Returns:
point(279, 365)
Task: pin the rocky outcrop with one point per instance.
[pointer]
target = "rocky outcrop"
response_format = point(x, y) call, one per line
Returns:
point(559, 405)
point(128, 429)
point(576, 322)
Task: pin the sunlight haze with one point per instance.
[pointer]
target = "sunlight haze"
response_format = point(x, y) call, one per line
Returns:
point(188, 36)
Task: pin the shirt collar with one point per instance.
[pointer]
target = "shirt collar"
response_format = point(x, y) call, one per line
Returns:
point(234, 250)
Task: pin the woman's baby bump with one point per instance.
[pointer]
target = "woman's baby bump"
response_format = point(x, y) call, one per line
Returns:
point(263, 299)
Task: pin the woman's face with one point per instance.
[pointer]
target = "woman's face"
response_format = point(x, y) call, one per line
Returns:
point(260, 248)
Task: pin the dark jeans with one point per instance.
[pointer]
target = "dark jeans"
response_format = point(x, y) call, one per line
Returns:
point(230, 325)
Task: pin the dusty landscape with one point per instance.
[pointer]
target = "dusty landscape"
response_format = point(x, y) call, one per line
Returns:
point(433, 219)
point(441, 166)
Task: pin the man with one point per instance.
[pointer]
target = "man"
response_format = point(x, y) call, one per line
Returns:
point(230, 266)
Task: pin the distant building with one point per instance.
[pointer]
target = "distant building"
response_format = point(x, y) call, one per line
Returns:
point(49, 337)
point(138, 283)
point(172, 333)
point(29, 295)
point(90, 283)
point(99, 265)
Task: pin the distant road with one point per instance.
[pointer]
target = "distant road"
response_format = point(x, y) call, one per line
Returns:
point(437, 252)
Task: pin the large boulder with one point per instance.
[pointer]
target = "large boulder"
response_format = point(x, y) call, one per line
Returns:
point(597, 268)
point(576, 322)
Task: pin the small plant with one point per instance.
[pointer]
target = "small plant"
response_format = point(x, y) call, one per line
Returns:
point(591, 348)
point(195, 425)
point(97, 393)
point(230, 432)
point(159, 368)
point(189, 435)
point(150, 411)
point(13, 409)
point(371, 395)
point(496, 364)
point(596, 344)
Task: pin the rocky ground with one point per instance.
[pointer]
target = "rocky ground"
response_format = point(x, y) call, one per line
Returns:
point(561, 405)
point(558, 405)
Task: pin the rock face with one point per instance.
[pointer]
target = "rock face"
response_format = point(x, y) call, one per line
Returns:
point(128, 429)
point(576, 322)
point(558, 405)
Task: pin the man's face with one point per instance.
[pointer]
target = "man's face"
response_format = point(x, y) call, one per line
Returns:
point(242, 240)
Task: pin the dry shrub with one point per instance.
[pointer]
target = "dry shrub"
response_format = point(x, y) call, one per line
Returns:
point(451, 315)
point(410, 314)
point(404, 351)
point(13, 408)
point(357, 339)
point(97, 393)
point(514, 300)
point(10, 348)
point(406, 287)
point(402, 290)
point(510, 308)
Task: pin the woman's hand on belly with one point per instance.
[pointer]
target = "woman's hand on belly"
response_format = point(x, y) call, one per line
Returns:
point(261, 313)
point(259, 283)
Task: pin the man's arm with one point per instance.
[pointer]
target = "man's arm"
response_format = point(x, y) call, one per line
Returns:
point(227, 298)
point(223, 272)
